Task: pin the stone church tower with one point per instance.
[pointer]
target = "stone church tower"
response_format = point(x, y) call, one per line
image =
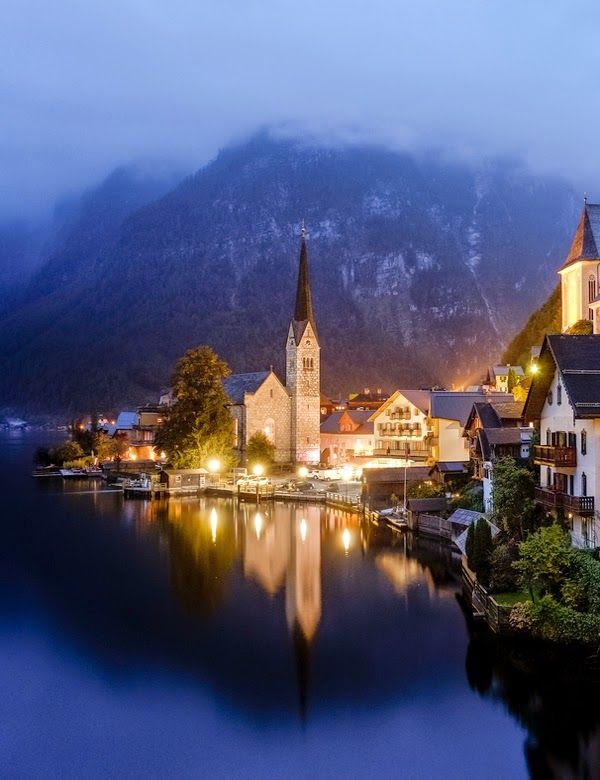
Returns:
point(303, 371)
point(580, 273)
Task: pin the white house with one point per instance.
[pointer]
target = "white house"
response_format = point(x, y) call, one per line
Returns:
point(564, 403)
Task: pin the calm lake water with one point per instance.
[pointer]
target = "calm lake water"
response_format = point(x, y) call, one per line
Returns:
point(193, 638)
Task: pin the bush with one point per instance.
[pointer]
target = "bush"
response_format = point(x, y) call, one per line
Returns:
point(503, 577)
point(554, 622)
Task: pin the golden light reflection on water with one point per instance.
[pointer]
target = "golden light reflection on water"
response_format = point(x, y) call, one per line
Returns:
point(280, 547)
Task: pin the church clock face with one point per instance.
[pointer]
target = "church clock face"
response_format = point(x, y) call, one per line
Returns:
point(291, 342)
point(307, 342)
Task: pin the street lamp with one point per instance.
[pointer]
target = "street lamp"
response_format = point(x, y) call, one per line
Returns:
point(303, 472)
point(214, 465)
point(258, 470)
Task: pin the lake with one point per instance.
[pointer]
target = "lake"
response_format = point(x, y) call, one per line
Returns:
point(198, 638)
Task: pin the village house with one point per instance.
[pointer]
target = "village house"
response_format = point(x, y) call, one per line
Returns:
point(138, 429)
point(499, 377)
point(368, 399)
point(494, 430)
point(564, 404)
point(346, 435)
point(427, 425)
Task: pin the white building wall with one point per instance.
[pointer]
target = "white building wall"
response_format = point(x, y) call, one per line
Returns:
point(575, 291)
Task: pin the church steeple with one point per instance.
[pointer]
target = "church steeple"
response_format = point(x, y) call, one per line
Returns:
point(303, 311)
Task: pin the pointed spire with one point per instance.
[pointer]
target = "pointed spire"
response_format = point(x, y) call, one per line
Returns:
point(303, 310)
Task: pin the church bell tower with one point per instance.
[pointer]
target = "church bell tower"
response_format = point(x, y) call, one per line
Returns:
point(303, 371)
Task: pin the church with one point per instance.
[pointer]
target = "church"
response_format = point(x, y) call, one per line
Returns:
point(289, 415)
point(579, 274)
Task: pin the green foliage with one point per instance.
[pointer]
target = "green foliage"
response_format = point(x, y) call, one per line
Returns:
point(503, 577)
point(424, 489)
point(470, 543)
point(481, 549)
point(521, 389)
point(513, 380)
point(260, 450)
point(547, 319)
point(554, 622)
point(197, 428)
point(471, 497)
point(581, 328)
point(69, 451)
point(545, 560)
point(512, 497)
point(109, 448)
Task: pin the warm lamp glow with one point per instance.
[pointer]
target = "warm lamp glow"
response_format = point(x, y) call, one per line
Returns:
point(534, 368)
point(258, 524)
point(163, 455)
point(214, 520)
point(303, 529)
point(214, 465)
point(347, 473)
point(303, 472)
point(258, 470)
point(132, 455)
point(346, 539)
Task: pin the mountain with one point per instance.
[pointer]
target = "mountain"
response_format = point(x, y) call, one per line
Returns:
point(421, 269)
point(546, 319)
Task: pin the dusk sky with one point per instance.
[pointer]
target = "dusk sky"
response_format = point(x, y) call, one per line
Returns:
point(86, 86)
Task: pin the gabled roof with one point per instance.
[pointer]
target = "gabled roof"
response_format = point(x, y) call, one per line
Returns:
point(451, 467)
point(126, 421)
point(505, 370)
point(508, 410)
point(465, 516)
point(396, 474)
point(358, 416)
point(237, 385)
point(587, 237)
point(435, 504)
point(451, 405)
point(577, 358)
point(418, 398)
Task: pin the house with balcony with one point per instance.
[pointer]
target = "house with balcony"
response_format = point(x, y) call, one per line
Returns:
point(564, 404)
point(402, 427)
point(495, 430)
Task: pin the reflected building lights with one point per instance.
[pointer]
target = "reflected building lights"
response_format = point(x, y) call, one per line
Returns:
point(258, 524)
point(213, 524)
point(303, 529)
point(346, 539)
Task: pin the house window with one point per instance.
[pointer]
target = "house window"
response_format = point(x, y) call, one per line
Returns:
point(584, 484)
point(583, 442)
point(548, 476)
point(559, 395)
point(591, 288)
point(571, 485)
point(549, 397)
point(548, 437)
point(269, 429)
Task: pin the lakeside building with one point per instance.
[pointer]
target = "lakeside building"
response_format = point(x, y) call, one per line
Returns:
point(289, 415)
point(427, 425)
point(498, 377)
point(495, 430)
point(564, 404)
point(347, 435)
point(138, 428)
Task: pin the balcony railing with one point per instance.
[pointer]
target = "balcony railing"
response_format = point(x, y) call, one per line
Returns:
point(581, 505)
point(560, 457)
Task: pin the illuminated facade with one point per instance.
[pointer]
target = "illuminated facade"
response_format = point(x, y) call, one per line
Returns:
point(579, 274)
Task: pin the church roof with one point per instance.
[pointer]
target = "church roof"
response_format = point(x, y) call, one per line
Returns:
point(587, 236)
point(237, 385)
point(303, 309)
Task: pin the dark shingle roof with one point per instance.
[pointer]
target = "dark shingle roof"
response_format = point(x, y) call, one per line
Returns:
point(237, 385)
point(435, 504)
point(587, 236)
point(509, 410)
point(418, 398)
point(396, 474)
point(577, 358)
point(457, 406)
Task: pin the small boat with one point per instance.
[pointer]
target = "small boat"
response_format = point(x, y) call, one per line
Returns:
point(73, 473)
point(46, 471)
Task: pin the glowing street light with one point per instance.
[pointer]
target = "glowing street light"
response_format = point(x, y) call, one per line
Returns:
point(258, 470)
point(214, 465)
point(303, 472)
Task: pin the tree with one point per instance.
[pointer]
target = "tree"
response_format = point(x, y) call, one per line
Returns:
point(424, 489)
point(68, 451)
point(109, 448)
point(198, 428)
point(545, 560)
point(512, 380)
point(581, 328)
point(480, 549)
point(521, 390)
point(512, 497)
point(260, 450)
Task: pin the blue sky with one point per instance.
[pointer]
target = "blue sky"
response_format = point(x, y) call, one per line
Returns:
point(85, 86)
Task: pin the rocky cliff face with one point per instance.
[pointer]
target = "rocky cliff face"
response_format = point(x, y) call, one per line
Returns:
point(421, 272)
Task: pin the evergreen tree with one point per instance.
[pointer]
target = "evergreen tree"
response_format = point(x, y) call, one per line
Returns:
point(482, 550)
point(198, 428)
point(512, 497)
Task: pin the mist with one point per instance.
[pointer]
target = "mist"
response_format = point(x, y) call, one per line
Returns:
point(85, 87)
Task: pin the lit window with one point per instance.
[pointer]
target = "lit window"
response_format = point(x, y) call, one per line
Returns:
point(549, 397)
point(559, 395)
point(583, 442)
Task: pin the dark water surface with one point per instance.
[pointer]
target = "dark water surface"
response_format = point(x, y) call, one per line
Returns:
point(193, 638)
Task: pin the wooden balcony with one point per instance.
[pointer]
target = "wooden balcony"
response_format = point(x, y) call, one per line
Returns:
point(559, 457)
point(554, 499)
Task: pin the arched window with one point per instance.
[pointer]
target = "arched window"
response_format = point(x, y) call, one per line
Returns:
point(583, 442)
point(549, 397)
point(584, 484)
point(548, 436)
point(559, 395)
point(592, 288)
point(269, 429)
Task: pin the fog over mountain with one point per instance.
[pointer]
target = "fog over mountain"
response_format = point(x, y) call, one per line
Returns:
point(421, 270)
point(89, 86)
